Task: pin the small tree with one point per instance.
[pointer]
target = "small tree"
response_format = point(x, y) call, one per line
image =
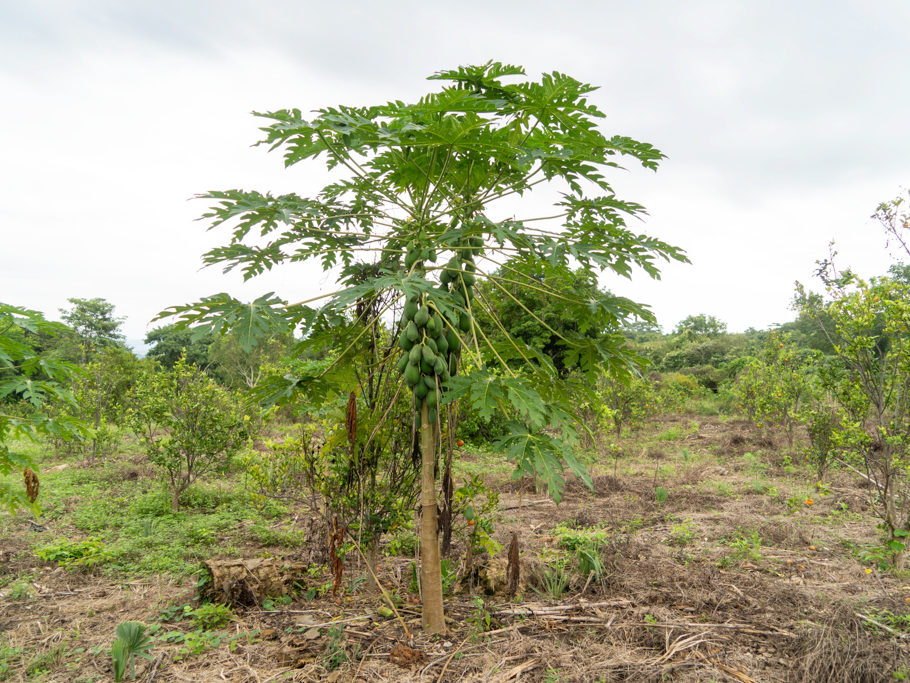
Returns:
point(872, 332)
point(701, 326)
point(94, 324)
point(167, 344)
point(623, 402)
point(100, 392)
point(188, 424)
point(772, 388)
point(410, 211)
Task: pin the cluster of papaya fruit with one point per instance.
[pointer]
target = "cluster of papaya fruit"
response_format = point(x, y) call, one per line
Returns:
point(432, 341)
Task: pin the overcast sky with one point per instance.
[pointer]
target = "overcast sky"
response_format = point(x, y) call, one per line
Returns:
point(784, 123)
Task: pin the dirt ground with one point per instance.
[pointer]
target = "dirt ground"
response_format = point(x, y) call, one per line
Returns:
point(734, 577)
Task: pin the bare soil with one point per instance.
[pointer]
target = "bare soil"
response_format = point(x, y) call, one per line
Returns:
point(684, 597)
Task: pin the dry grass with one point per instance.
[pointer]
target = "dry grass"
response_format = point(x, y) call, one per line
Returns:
point(675, 602)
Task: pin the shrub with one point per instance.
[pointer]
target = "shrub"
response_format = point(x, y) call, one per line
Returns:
point(187, 423)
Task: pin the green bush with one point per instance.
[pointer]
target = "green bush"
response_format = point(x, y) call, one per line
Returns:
point(188, 424)
point(86, 554)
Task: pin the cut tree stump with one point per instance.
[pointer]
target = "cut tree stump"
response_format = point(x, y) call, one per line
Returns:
point(246, 583)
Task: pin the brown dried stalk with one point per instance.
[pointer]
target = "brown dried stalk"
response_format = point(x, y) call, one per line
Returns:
point(31, 484)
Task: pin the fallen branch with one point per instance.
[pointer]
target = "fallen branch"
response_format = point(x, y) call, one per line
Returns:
point(529, 504)
point(745, 628)
point(736, 673)
point(381, 588)
point(864, 476)
point(546, 610)
point(890, 630)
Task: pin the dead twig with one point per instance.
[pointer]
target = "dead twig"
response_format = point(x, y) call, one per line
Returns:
point(529, 504)
point(896, 634)
point(385, 594)
point(446, 665)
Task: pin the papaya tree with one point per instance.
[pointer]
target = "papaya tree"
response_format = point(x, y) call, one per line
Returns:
point(422, 200)
point(29, 381)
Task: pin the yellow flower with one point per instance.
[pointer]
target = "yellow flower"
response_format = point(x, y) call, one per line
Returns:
point(868, 571)
point(809, 501)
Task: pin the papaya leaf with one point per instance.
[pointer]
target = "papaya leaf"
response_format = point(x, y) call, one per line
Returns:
point(252, 322)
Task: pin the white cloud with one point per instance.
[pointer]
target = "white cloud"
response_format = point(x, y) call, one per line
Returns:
point(784, 125)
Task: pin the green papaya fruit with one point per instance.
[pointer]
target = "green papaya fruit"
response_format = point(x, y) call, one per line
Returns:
point(430, 381)
point(422, 317)
point(411, 375)
point(410, 309)
point(431, 417)
point(426, 368)
point(412, 331)
point(464, 322)
point(405, 343)
point(421, 389)
point(453, 364)
point(442, 344)
point(468, 278)
point(434, 325)
point(428, 354)
point(454, 341)
point(403, 363)
point(439, 366)
point(415, 354)
point(431, 399)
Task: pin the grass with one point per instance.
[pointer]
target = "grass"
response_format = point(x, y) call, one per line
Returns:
point(482, 463)
point(127, 515)
point(118, 512)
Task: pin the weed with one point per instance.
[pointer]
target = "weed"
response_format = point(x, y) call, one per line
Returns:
point(211, 616)
point(759, 486)
point(131, 641)
point(753, 464)
point(9, 655)
point(286, 538)
point(401, 544)
point(672, 434)
point(683, 534)
point(722, 488)
point(86, 554)
point(481, 620)
point(19, 591)
point(174, 613)
point(279, 601)
point(586, 544)
point(334, 655)
point(47, 661)
point(449, 574)
point(553, 579)
point(746, 546)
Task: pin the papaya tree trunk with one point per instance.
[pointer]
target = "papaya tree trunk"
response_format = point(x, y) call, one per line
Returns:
point(430, 568)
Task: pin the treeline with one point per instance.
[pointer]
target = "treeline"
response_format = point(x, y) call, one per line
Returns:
point(838, 374)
